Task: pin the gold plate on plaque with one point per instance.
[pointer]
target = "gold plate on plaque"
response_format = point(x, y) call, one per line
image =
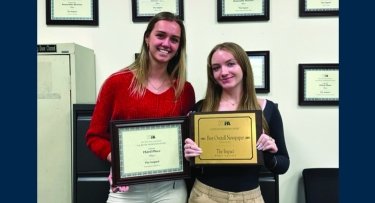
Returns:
point(227, 137)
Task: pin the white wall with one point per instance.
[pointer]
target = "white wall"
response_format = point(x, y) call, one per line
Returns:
point(311, 132)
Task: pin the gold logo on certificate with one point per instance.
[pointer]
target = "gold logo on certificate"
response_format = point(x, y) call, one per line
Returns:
point(227, 137)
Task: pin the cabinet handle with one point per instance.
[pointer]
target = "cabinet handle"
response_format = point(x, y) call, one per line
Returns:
point(91, 179)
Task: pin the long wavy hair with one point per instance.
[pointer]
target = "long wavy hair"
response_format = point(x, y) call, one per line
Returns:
point(176, 66)
point(214, 90)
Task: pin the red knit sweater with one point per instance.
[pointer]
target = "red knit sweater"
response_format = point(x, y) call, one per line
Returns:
point(114, 102)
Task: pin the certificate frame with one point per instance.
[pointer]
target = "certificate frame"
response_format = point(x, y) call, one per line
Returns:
point(318, 84)
point(74, 12)
point(260, 63)
point(311, 8)
point(227, 138)
point(141, 147)
point(236, 11)
point(142, 12)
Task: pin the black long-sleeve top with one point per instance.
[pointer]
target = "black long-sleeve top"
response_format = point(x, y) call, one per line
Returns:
point(243, 178)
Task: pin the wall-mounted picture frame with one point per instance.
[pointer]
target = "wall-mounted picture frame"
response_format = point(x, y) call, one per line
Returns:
point(260, 63)
point(144, 10)
point(310, 8)
point(73, 12)
point(318, 84)
point(231, 11)
point(159, 148)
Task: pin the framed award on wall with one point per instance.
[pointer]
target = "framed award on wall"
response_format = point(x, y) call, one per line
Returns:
point(318, 84)
point(72, 12)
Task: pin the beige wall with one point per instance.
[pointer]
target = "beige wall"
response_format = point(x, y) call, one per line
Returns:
point(311, 132)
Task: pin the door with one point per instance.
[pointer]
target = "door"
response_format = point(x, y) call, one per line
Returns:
point(54, 129)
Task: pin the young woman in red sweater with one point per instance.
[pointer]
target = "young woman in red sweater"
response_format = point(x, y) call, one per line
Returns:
point(153, 86)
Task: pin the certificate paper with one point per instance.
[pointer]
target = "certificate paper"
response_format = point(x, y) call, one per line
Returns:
point(72, 10)
point(153, 147)
point(243, 7)
point(150, 8)
point(227, 138)
point(321, 85)
point(258, 66)
point(321, 5)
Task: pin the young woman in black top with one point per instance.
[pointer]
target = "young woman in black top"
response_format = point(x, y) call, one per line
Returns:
point(231, 88)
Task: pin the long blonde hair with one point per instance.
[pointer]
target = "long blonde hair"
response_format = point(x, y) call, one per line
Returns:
point(214, 90)
point(176, 68)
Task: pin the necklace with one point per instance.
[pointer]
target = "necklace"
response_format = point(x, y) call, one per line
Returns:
point(157, 88)
point(233, 103)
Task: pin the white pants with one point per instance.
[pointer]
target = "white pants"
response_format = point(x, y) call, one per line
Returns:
point(159, 192)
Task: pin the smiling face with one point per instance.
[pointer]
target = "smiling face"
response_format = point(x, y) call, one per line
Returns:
point(163, 41)
point(226, 70)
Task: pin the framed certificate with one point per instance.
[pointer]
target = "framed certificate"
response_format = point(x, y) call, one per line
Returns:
point(318, 84)
point(227, 137)
point(243, 10)
point(318, 8)
point(72, 12)
point(148, 150)
point(260, 63)
point(144, 10)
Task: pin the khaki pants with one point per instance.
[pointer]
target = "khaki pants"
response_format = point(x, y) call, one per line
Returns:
point(202, 193)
